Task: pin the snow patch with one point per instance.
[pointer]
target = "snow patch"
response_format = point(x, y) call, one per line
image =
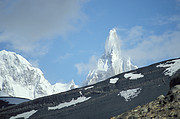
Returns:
point(114, 80)
point(80, 92)
point(72, 102)
point(132, 76)
point(129, 94)
point(88, 87)
point(62, 87)
point(3, 94)
point(24, 115)
point(171, 67)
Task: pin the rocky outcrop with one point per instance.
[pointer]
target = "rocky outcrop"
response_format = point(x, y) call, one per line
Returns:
point(164, 107)
point(175, 81)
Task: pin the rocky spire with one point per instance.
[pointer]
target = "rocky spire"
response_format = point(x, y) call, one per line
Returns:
point(112, 43)
point(111, 62)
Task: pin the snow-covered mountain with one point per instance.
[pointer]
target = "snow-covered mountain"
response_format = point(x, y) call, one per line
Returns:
point(19, 78)
point(3, 94)
point(111, 62)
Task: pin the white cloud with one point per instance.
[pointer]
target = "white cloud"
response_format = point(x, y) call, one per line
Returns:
point(83, 68)
point(26, 24)
point(153, 47)
point(133, 36)
point(178, 1)
point(163, 20)
point(64, 57)
point(143, 46)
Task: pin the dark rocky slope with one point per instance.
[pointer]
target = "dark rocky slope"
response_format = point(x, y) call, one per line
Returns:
point(164, 107)
point(102, 100)
point(9, 101)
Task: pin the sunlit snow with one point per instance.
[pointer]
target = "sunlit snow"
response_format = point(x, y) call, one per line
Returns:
point(88, 87)
point(19, 78)
point(72, 102)
point(133, 76)
point(80, 92)
point(3, 94)
point(171, 67)
point(129, 94)
point(114, 80)
point(24, 115)
point(112, 61)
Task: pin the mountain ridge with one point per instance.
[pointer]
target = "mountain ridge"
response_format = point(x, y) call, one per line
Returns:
point(105, 99)
point(19, 78)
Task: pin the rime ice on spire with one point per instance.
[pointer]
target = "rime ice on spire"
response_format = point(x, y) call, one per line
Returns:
point(111, 62)
point(112, 43)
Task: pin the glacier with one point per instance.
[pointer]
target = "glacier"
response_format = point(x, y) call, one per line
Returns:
point(112, 62)
point(18, 78)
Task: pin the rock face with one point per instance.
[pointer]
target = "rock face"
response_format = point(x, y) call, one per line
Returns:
point(19, 78)
point(105, 99)
point(111, 62)
point(164, 107)
point(175, 81)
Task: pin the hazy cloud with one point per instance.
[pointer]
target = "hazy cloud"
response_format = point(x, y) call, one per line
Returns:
point(133, 36)
point(142, 46)
point(27, 24)
point(152, 47)
point(163, 20)
point(64, 57)
point(83, 68)
point(178, 1)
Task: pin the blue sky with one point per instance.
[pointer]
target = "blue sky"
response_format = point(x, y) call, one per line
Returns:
point(64, 38)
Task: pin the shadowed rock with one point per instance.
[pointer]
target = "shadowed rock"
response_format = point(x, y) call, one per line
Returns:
point(163, 107)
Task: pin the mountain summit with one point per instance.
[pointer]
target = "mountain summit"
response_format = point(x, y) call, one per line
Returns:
point(111, 62)
point(19, 78)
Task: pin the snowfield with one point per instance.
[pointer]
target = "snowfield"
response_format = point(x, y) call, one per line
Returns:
point(24, 115)
point(88, 87)
point(72, 102)
point(133, 76)
point(129, 94)
point(172, 67)
point(114, 80)
point(3, 94)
